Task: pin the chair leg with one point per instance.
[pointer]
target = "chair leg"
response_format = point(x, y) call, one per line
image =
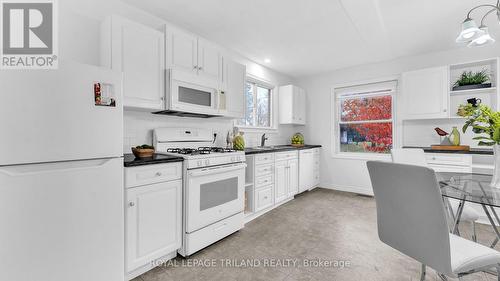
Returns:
point(422, 274)
point(474, 233)
point(443, 277)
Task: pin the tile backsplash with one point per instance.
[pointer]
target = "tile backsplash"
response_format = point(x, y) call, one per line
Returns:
point(139, 126)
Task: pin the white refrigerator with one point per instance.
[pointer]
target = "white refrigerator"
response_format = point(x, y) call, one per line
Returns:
point(61, 174)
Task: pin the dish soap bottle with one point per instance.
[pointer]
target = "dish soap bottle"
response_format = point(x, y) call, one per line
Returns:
point(455, 136)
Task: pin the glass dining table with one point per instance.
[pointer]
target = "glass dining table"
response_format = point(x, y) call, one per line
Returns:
point(473, 188)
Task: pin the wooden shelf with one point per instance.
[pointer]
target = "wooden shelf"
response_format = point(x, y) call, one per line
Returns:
point(474, 91)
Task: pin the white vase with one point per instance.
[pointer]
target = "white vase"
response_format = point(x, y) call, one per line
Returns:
point(495, 181)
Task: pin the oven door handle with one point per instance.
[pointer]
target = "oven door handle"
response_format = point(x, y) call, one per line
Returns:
point(216, 170)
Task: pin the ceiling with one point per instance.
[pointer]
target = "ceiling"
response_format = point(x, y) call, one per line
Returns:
point(309, 37)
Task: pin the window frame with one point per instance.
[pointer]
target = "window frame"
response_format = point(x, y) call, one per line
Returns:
point(272, 124)
point(336, 117)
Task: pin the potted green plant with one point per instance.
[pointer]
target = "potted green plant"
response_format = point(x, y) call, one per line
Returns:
point(472, 80)
point(485, 123)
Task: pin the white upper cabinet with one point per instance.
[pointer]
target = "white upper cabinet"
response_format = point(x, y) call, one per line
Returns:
point(182, 50)
point(292, 105)
point(209, 60)
point(233, 89)
point(425, 94)
point(189, 53)
point(139, 52)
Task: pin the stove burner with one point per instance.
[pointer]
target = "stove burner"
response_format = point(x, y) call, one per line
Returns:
point(200, 150)
point(189, 151)
point(222, 149)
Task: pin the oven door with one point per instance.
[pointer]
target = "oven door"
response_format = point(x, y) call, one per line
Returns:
point(194, 98)
point(214, 193)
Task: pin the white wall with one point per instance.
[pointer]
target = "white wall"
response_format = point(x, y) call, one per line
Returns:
point(80, 23)
point(351, 174)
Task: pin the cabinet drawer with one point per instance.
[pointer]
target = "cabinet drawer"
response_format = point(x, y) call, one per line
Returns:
point(264, 158)
point(285, 155)
point(149, 174)
point(263, 170)
point(264, 198)
point(451, 168)
point(448, 159)
point(263, 181)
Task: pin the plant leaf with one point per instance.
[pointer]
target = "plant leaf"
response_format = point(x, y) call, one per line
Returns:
point(483, 143)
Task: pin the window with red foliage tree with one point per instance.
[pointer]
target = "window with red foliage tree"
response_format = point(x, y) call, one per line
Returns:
point(366, 124)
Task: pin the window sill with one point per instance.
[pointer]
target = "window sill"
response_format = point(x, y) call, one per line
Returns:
point(362, 156)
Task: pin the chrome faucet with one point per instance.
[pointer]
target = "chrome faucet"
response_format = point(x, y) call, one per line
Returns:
point(263, 140)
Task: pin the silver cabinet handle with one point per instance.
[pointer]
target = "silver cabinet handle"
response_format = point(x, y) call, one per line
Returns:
point(444, 110)
point(200, 68)
point(195, 67)
point(131, 204)
point(158, 174)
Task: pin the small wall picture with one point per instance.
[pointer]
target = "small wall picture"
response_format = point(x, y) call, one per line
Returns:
point(103, 95)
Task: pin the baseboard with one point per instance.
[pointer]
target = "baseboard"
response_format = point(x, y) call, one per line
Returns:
point(251, 217)
point(147, 267)
point(346, 188)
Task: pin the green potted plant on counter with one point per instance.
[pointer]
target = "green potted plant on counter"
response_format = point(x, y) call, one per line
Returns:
point(485, 123)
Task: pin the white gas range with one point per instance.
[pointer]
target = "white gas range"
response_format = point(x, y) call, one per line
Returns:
point(214, 185)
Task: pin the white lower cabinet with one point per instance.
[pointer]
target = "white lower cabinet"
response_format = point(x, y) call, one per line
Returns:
point(273, 178)
point(281, 179)
point(153, 217)
point(308, 169)
point(286, 176)
point(264, 198)
point(444, 162)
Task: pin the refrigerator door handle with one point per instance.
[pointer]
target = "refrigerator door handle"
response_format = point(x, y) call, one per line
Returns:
point(33, 169)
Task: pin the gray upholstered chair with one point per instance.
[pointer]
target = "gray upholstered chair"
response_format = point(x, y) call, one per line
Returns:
point(411, 218)
point(416, 156)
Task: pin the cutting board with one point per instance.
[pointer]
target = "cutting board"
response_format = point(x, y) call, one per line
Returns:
point(451, 147)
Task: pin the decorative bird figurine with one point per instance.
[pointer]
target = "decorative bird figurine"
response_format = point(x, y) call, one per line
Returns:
point(440, 132)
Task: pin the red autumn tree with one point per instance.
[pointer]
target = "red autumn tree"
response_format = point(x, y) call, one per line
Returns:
point(379, 134)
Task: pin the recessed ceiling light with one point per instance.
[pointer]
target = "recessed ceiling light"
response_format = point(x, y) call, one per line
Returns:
point(267, 60)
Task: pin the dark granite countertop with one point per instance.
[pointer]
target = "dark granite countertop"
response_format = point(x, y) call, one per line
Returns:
point(278, 148)
point(483, 151)
point(129, 160)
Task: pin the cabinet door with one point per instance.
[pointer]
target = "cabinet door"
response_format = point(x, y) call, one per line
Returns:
point(139, 52)
point(280, 181)
point(293, 177)
point(153, 222)
point(235, 89)
point(182, 50)
point(299, 106)
point(306, 169)
point(209, 60)
point(425, 93)
point(264, 198)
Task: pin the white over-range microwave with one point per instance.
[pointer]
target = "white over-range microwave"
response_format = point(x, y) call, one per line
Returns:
point(191, 95)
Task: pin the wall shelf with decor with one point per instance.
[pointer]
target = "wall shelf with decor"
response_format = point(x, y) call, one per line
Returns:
point(487, 94)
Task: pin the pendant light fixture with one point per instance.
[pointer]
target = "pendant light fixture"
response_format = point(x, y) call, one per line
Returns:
point(476, 36)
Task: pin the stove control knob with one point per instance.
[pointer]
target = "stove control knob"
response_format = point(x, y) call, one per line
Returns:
point(239, 158)
point(207, 162)
point(199, 163)
point(233, 159)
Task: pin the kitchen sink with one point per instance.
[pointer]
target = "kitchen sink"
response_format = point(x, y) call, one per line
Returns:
point(263, 147)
